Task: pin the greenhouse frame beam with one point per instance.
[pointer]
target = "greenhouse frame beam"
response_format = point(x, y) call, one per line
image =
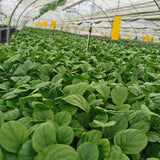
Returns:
point(25, 10)
point(8, 30)
point(157, 4)
point(30, 12)
point(74, 4)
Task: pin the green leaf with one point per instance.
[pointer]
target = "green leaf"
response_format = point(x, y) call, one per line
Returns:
point(23, 100)
point(1, 156)
point(9, 95)
point(65, 135)
point(152, 158)
point(12, 136)
point(115, 148)
point(104, 148)
point(44, 136)
point(153, 136)
point(77, 100)
point(117, 156)
point(42, 112)
point(143, 126)
point(101, 124)
point(12, 114)
point(121, 124)
point(63, 118)
point(131, 141)
point(103, 90)
point(27, 152)
point(77, 128)
point(93, 136)
point(58, 152)
point(8, 155)
point(1, 118)
point(88, 151)
point(119, 95)
point(79, 88)
point(46, 69)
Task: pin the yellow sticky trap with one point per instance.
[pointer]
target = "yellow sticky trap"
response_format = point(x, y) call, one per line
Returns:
point(140, 38)
point(102, 33)
point(116, 28)
point(42, 25)
point(109, 35)
point(38, 25)
point(76, 30)
point(154, 39)
point(67, 29)
point(45, 24)
point(147, 38)
point(128, 37)
point(54, 25)
point(35, 25)
point(131, 37)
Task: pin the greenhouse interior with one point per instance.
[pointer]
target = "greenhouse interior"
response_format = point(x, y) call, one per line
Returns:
point(79, 79)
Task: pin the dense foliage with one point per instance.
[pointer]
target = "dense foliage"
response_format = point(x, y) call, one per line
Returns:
point(59, 102)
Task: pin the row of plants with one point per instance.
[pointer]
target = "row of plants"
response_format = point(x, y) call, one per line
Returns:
point(59, 102)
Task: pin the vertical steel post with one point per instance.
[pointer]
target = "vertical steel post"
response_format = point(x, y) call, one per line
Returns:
point(89, 37)
point(8, 30)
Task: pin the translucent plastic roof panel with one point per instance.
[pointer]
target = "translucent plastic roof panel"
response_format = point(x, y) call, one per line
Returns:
point(86, 10)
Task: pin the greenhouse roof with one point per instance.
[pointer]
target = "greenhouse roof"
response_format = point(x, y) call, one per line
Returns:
point(80, 11)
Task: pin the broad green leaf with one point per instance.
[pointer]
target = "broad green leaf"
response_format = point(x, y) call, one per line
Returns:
point(12, 114)
point(23, 100)
point(79, 88)
point(88, 151)
point(26, 121)
point(27, 152)
point(104, 148)
point(46, 69)
point(136, 156)
point(42, 112)
point(103, 90)
point(139, 116)
point(143, 126)
point(121, 124)
point(9, 95)
point(115, 148)
point(58, 152)
point(77, 100)
point(12, 136)
point(65, 135)
point(153, 136)
point(131, 141)
point(77, 128)
point(93, 136)
point(1, 118)
point(8, 155)
point(44, 136)
point(153, 150)
point(101, 124)
point(119, 95)
point(152, 158)
point(63, 118)
point(117, 156)
point(69, 108)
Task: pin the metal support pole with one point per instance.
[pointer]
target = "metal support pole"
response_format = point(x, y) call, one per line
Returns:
point(24, 11)
point(89, 37)
point(8, 30)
